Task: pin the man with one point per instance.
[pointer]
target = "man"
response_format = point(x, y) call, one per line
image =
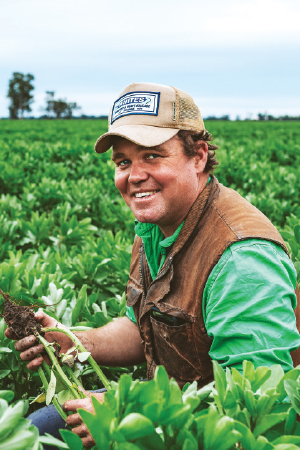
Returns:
point(210, 277)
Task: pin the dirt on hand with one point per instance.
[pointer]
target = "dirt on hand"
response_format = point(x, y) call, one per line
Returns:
point(20, 319)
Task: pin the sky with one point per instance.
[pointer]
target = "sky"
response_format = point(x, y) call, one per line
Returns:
point(234, 57)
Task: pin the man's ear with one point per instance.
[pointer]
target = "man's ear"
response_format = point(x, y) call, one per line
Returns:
point(201, 155)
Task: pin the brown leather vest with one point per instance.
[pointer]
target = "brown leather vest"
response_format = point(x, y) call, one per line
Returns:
point(218, 218)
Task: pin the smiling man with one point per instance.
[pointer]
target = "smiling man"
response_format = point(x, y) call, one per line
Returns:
point(210, 276)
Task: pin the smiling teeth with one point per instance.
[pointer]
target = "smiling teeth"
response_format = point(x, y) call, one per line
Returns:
point(144, 194)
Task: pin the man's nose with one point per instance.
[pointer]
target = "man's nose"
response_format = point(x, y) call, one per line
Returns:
point(137, 173)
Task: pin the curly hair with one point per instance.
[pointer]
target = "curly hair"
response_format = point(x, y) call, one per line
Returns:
point(190, 146)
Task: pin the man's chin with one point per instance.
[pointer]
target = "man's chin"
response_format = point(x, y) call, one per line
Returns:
point(146, 219)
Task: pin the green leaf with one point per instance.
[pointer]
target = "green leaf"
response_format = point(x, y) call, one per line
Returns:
point(248, 371)
point(244, 417)
point(247, 439)
point(128, 446)
point(151, 442)
point(80, 303)
point(287, 440)
point(291, 421)
point(153, 410)
point(266, 401)
point(266, 422)
point(291, 387)
point(205, 393)
point(250, 402)
point(7, 395)
point(190, 397)
point(276, 375)
point(5, 350)
point(219, 432)
point(176, 415)
point(10, 418)
point(31, 262)
point(262, 374)
point(220, 381)
point(18, 441)
point(3, 407)
point(286, 235)
point(4, 373)
point(64, 396)
point(99, 434)
point(41, 398)
point(135, 426)
point(51, 440)
point(237, 377)
point(162, 380)
point(51, 388)
point(286, 447)
point(297, 233)
point(105, 416)
point(83, 356)
point(291, 375)
point(190, 444)
point(294, 246)
point(175, 392)
point(123, 388)
point(74, 442)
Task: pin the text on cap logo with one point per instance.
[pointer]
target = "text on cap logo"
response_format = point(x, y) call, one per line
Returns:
point(135, 103)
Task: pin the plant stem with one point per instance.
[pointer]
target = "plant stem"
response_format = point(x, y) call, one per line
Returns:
point(73, 377)
point(48, 371)
point(81, 348)
point(70, 374)
point(54, 400)
point(57, 366)
point(43, 378)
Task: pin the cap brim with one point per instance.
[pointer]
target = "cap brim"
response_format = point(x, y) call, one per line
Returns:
point(144, 135)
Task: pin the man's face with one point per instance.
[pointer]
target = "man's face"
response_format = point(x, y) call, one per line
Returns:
point(159, 184)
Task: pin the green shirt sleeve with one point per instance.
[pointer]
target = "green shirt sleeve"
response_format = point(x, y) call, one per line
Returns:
point(248, 305)
point(130, 313)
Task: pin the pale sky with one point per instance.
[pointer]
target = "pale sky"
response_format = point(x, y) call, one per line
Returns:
point(236, 57)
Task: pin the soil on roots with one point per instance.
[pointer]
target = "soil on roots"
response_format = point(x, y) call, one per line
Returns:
point(20, 319)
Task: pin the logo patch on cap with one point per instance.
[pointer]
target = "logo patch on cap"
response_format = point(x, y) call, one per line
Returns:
point(136, 103)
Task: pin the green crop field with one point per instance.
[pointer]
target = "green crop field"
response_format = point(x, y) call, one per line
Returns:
point(65, 240)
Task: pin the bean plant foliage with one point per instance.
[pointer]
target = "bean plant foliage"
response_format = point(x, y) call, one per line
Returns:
point(249, 411)
point(65, 245)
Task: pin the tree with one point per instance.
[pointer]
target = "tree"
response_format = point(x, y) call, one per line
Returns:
point(60, 107)
point(19, 92)
point(70, 108)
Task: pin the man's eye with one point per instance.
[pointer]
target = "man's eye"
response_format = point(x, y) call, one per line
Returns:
point(122, 163)
point(153, 156)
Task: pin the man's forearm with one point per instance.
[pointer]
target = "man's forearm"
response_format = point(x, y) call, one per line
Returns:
point(116, 344)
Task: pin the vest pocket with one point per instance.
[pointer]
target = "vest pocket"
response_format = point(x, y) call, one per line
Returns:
point(174, 348)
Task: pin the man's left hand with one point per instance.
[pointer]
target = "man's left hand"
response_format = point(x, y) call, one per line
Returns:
point(75, 422)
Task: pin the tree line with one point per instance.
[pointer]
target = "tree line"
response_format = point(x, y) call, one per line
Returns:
point(20, 94)
point(20, 89)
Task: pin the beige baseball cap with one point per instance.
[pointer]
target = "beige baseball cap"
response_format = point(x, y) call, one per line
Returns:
point(150, 114)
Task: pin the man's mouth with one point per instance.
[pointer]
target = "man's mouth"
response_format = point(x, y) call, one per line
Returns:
point(144, 194)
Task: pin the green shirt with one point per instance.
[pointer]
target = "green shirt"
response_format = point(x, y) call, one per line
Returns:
point(248, 300)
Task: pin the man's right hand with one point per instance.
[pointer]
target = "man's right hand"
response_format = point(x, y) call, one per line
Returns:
point(30, 348)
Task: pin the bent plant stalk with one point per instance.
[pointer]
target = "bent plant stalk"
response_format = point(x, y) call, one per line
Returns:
point(71, 386)
point(46, 385)
point(81, 349)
